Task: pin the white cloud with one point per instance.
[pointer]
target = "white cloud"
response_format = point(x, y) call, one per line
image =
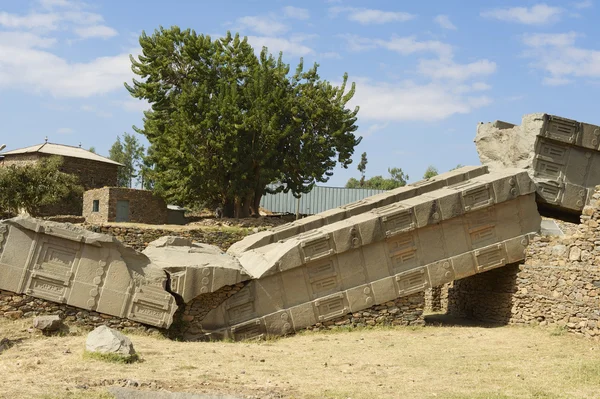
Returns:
point(95, 110)
point(409, 45)
point(55, 3)
point(264, 25)
point(291, 46)
point(407, 101)
point(296, 12)
point(403, 45)
point(538, 14)
point(448, 69)
point(366, 16)
point(134, 105)
point(583, 4)
point(330, 55)
point(40, 71)
point(550, 39)
point(374, 128)
point(99, 31)
point(444, 22)
point(560, 58)
point(30, 21)
point(64, 130)
point(24, 40)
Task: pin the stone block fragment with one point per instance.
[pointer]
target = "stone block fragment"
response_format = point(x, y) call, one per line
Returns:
point(47, 323)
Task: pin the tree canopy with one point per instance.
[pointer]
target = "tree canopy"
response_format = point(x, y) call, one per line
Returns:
point(397, 179)
point(430, 172)
point(130, 153)
point(227, 125)
point(34, 186)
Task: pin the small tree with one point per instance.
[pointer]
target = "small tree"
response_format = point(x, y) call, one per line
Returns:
point(458, 166)
point(430, 172)
point(130, 153)
point(34, 186)
point(362, 167)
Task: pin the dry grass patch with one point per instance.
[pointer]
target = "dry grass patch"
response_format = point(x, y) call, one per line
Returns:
point(430, 362)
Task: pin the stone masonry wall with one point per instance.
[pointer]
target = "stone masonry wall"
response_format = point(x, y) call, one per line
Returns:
point(139, 238)
point(558, 284)
point(144, 206)
point(16, 306)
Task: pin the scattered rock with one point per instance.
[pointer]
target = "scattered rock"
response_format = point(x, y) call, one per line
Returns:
point(106, 340)
point(47, 324)
point(5, 344)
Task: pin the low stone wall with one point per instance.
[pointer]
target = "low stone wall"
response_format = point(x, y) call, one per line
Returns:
point(139, 238)
point(16, 306)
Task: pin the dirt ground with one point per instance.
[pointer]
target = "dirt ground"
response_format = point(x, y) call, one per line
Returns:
point(426, 362)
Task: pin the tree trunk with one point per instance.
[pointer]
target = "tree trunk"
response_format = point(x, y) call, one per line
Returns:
point(256, 203)
point(228, 209)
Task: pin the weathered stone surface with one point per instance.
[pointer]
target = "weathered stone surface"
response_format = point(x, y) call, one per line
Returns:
point(67, 264)
point(47, 323)
point(426, 240)
point(561, 155)
point(365, 259)
point(106, 340)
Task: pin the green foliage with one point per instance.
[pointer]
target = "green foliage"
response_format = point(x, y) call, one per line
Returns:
point(111, 357)
point(397, 179)
point(34, 186)
point(362, 167)
point(92, 150)
point(130, 153)
point(458, 166)
point(226, 123)
point(430, 172)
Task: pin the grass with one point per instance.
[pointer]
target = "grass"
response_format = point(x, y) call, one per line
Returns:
point(111, 357)
point(470, 362)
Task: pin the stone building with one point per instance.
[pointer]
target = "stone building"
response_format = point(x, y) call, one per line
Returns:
point(118, 204)
point(93, 170)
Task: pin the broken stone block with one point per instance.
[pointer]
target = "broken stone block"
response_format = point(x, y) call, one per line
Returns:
point(67, 264)
point(561, 155)
point(47, 323)
point(106, 340)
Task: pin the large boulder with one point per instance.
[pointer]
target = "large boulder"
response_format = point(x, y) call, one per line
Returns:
point(106, 340)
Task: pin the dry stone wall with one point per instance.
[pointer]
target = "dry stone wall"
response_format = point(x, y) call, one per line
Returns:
point(139, 238)
point(16, 306)
point(558, 284)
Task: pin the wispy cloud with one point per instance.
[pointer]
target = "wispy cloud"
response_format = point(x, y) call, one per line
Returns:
point(448, 69)
point(444, 22)
point(408, 101)
point(64, 130)
point(402, 45)
point(583, 4)
point(100, 31)
point(366, 16)
point(262, 24)
point(538, 14)
point(560, 57)
point(296, 12)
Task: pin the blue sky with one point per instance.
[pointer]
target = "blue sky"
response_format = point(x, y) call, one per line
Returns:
point(426, 72)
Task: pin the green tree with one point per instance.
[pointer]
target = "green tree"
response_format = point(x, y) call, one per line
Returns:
point(430, 172)
point(130, 153)
point(31, 187)
point(458, 166)
point(227, 125)
point(92, 150)
point(362, 167)
point(397, 179)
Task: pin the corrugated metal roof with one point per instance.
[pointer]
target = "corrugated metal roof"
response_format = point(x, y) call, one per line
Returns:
point(320, 199)
point(63, 150)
